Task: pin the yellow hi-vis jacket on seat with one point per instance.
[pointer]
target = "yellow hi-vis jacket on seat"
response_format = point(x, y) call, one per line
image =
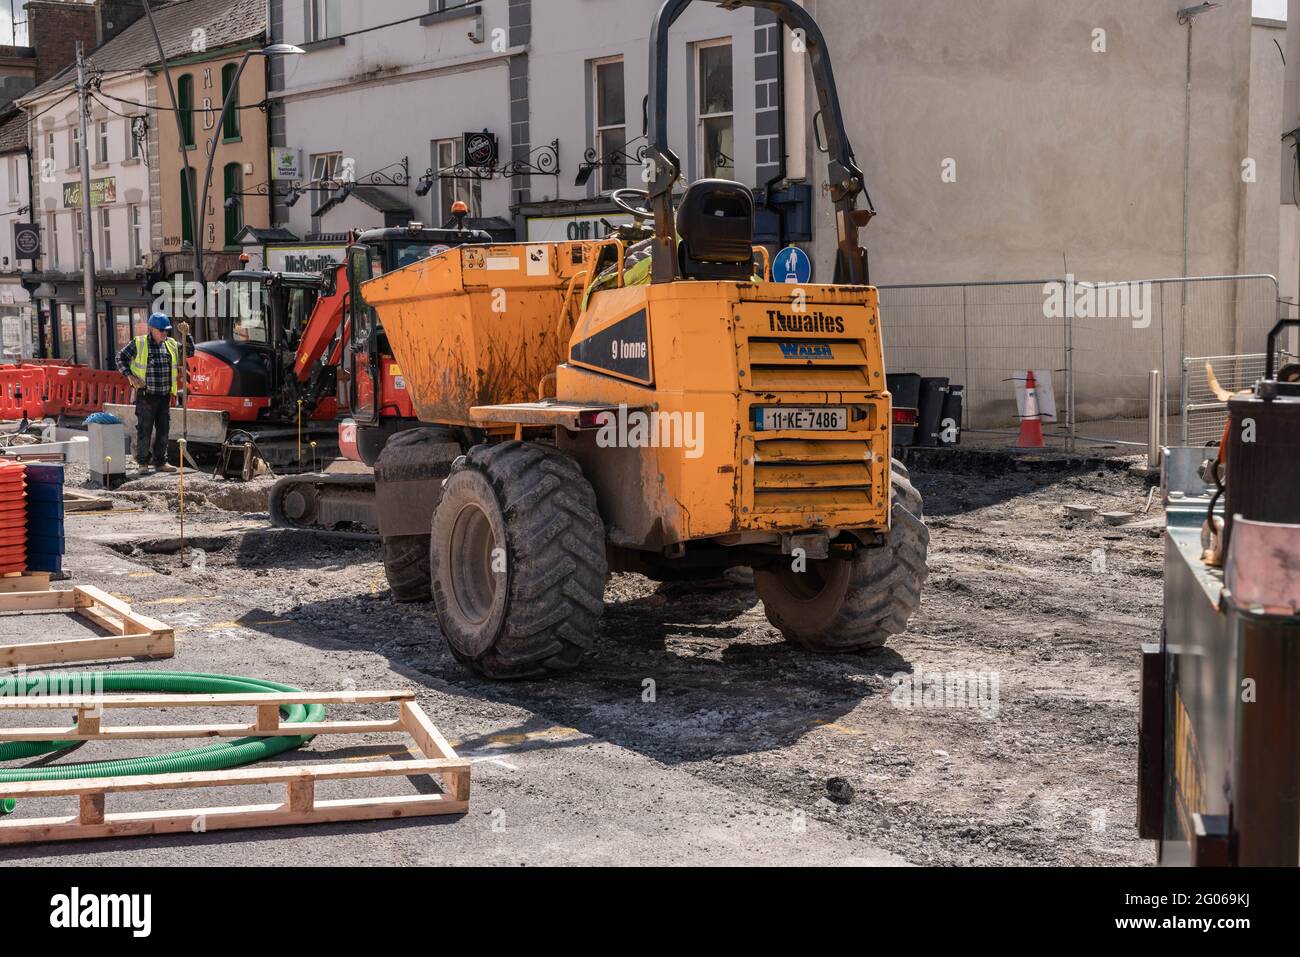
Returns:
point(140, 361)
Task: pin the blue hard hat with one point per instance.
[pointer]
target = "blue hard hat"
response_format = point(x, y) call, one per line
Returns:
point(160, 321)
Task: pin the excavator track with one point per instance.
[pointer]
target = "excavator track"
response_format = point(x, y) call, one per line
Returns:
point(339, 504)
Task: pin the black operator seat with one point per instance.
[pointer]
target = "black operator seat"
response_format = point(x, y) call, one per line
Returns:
point(715, 222)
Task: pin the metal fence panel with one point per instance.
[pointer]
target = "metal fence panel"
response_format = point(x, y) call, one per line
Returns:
point(1101, 342)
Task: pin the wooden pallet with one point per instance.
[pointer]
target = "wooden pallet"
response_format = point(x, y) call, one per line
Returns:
point(438, 761)
point(75, 501)
point(132, 635)
point(25, 581)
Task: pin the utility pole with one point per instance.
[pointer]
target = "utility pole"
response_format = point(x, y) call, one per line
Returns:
point(87, 226)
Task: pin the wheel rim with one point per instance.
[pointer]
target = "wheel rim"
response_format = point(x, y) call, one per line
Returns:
point(473, 582)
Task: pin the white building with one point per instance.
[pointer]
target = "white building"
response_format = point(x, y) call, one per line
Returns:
point(118, 154)
point(561, 95)
point(16, 337)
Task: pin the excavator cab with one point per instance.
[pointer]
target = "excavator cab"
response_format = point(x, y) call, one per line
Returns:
point(372, 386)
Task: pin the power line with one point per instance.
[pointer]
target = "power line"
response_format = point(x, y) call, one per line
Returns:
point(260, 105)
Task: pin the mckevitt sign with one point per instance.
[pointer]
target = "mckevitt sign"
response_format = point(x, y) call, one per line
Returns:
point(101, 191)
point(308, 259)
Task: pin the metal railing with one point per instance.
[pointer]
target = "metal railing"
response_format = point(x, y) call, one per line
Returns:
point(1092, 346)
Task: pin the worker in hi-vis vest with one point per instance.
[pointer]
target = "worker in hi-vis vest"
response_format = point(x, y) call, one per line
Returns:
point(154, 365)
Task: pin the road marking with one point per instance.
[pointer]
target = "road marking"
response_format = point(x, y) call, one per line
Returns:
point(490, 759)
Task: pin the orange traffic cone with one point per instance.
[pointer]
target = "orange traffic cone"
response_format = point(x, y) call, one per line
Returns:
point(1031, 423)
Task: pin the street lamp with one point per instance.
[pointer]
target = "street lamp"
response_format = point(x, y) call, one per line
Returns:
point(275, 49)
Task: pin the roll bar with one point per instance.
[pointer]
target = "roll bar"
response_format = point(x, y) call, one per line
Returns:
point(846, 179)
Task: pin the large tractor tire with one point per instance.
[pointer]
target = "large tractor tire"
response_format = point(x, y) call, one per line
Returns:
point(837, 605)
point(411, 470)
point(518, 562)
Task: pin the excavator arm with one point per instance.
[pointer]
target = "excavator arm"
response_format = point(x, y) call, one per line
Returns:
point(322, 327)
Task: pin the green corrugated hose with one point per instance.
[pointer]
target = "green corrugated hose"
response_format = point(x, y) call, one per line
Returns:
point(214, 757)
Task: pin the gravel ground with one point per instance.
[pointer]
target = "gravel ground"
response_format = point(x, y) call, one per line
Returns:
point(692, 695)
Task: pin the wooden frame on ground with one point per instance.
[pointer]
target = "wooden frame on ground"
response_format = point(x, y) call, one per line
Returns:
point(132, 635)
point(300, 806)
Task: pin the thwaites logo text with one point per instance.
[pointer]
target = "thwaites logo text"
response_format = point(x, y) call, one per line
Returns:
point(778, 321)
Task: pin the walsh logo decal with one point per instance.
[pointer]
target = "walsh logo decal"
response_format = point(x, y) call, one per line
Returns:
point(623, 348)
point(812, 351)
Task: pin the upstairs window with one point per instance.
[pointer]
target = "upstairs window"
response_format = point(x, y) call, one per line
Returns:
point(185, 100)
point(230, 129)
point(716, 118)
point(611, 123)
point(326, 19)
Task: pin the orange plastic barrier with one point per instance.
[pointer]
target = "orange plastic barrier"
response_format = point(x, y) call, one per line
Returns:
point(53, 388)
point(13, 517)
point(22, 393)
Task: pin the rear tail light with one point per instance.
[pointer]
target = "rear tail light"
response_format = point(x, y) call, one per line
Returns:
point(905, 416)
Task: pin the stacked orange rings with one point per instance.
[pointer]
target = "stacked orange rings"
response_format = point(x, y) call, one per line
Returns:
point(13, 517)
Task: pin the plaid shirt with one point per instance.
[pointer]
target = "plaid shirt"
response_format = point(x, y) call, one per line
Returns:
point(158, 366)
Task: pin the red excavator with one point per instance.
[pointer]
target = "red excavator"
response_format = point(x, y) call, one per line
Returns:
point(370, 388)
point(287, 363)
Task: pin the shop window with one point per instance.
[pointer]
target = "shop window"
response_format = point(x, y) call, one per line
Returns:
point(121, 327)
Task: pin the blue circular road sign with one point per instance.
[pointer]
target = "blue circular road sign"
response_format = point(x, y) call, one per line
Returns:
point(792, 265)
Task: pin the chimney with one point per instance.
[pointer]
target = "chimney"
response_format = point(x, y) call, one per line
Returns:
point(53, 29)
point(115, 16)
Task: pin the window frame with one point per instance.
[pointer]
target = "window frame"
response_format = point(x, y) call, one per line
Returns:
point(234, 214)
point(52, 244)
point(101, 142)
point(74, 146)
point(321, 183)
point(105, 227)
point(78, 239)
point(701, 118)
point(135, 234)
point(610, 180)
point(322, 9)
point(468, 189)
point(185, 103)
point(231, 131)
point(189, 189)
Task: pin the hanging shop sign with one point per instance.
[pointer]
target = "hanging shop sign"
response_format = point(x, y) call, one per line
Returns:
point(27, 240)
point(480, 150)
point(102, 191)
point(286, 162)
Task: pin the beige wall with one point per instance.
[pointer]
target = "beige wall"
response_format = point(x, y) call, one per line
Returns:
point(1063, 155)
point(250, 149)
